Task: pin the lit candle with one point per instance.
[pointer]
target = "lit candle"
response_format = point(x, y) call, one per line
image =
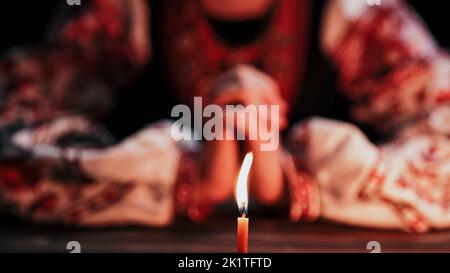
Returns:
point(242, 202)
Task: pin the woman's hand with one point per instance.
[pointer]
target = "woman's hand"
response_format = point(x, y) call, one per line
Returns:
point(246, 85)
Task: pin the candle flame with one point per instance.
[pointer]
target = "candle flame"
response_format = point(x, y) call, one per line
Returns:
point(241, 185)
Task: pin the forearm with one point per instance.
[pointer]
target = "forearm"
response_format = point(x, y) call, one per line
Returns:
point(401, 184)
point(85, 182)
point(266, 179)
point(219, 170)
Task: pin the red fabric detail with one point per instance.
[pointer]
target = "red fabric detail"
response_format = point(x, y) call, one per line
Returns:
point(195, 57)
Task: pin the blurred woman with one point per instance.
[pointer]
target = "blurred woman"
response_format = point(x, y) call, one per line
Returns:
point(58, 166)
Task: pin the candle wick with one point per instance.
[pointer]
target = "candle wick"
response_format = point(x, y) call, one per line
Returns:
point(243, 215)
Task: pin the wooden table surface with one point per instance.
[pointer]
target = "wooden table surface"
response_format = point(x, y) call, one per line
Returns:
point(218, 235)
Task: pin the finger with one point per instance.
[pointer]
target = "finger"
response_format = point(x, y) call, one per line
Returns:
point(228, 96)
point(283, 109)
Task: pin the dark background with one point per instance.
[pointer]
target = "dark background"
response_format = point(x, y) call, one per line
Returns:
point(148, 98)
